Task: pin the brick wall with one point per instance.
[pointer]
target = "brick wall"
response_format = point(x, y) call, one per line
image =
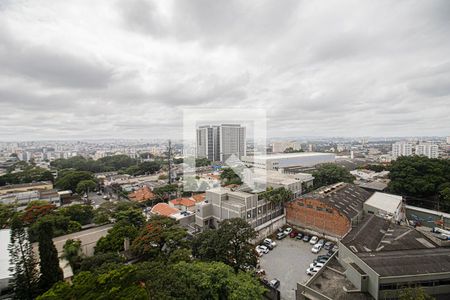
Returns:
point(316, 215)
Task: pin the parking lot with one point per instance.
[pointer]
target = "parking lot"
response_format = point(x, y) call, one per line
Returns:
point(288, 262)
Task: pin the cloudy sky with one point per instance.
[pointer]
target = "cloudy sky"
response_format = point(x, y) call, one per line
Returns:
point(127, 69)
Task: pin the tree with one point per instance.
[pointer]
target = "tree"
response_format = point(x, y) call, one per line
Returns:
point(164, 192)
point(35, 211)
point(6, 214)
point(228, 176)
point(48, 258)
point(229, 244)
point(119, 283)
point(69, 180)
point(72, 253)
point(330, 173)
point(25, 277)
point(60, 225)
point(160, 237)
point(98, 261)
point(80, 213)
point(277, 196)
point(291, 150)
point(84, 186)
point(131, 216)
point(114, 240)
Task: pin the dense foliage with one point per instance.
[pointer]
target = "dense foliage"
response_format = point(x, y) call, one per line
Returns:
point(228, 176)
point(48, 258)
point(29, 174)
point(69, 180)
point(6, 214)
point(422, 177)
point(114, 240)
point(122, 163)
point(228, 244)
point(278, 196)
point(330, 173)
point(155, 280)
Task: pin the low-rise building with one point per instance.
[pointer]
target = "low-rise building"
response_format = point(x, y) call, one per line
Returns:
point(183, 204)
point(22, 199)
point(26, 187)
point(330, 210)
point(141, 195)
point(385, 206)
point(224, 203)
point(381, 258)
point(278, 162)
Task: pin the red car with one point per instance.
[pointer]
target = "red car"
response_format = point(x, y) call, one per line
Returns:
point(293, 234)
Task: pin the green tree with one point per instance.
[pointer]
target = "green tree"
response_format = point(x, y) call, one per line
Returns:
point(25, 277)
point(114, 240)
point(228, 176)
point(72, 253)
point(133, 216)
point(160, 237)
point(330, 173)
point(6, 214)
point(278, 196)
point(228, 244)
point(48, 258)
point(80, 213)
point(69, 180)
point(84, 186)
point(97, 262)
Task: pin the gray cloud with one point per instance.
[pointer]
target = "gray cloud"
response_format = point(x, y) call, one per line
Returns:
point(128, 68)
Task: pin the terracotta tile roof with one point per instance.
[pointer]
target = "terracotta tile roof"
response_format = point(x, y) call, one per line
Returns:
point(163, 209)
point(183, 201)
point(142, 194)
point(199, 197)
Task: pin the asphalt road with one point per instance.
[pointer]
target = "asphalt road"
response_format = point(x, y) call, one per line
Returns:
point(288, 262)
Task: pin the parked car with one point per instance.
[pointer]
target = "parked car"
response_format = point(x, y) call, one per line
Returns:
point(293, 234)
point(287, 231)
point(281, 235)
point(299, 236)
point(316, 248)
point(313, 240)
point(99, 193)
point(330, 253)
point(335, 248)
point(269, 243)
point(306, 238)
point(321, 242)
point(262, 249)
point(328, 245)
point(316, 264)
point(275, 283)
point(320, 260)
point(312, 271)
point(106, 197)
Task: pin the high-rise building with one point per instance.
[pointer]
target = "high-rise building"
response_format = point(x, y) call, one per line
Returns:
point(218, 143)
point(401, 149)
point(427, 149)
point(448, 140)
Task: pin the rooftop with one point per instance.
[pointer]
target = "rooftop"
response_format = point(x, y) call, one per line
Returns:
point(24, 185)
point(142, 194)
point(345, 197)
point(394, 250)
point(386, 202)
point(163, 209)
point(183, 201)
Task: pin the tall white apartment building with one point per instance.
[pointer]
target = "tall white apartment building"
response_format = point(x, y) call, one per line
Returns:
point(448, 140)
point(402, 149)
point(427, 149)
point(218, 143)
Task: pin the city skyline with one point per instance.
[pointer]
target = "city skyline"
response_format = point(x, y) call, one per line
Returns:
point(70, 67)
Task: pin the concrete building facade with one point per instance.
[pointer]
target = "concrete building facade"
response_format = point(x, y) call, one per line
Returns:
point(401, 149)
point(277, 162)
point(428, 149)
point(218, 143)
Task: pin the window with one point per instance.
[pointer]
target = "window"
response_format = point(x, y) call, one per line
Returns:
point(318, 208)
point(309, 206)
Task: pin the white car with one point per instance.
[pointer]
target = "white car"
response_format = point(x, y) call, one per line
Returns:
point(287, 231)
point(313, 240)
point(321, 242)
point(316, 248)
point(262, 249)
point(269, 242)
point(316, 264)
point(312, 271)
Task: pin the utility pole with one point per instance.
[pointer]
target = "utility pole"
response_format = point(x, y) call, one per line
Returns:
point(169, 159)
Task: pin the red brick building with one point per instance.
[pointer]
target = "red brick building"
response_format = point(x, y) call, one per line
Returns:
point(330, 210)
